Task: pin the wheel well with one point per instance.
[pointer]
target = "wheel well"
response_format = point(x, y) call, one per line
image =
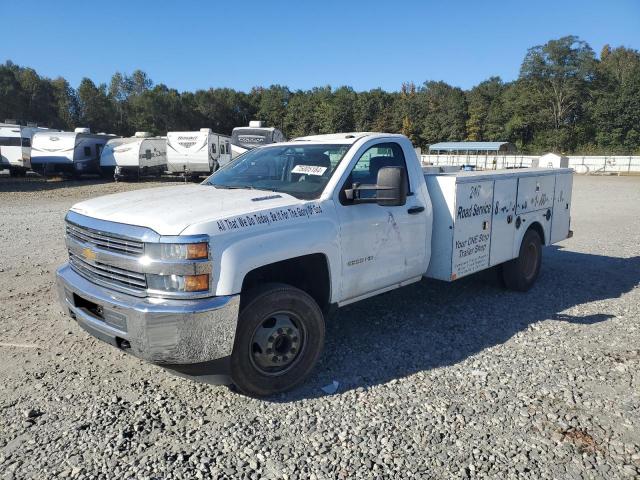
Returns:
point(538, 228)
point(309, 273)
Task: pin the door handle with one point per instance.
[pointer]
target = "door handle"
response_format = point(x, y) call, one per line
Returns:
point(414, 210)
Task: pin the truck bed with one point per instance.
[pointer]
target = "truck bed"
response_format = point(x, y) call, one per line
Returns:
point(479, 217)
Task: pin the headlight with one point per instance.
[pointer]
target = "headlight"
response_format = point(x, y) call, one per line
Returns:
point(177, 251)
point(178, 283)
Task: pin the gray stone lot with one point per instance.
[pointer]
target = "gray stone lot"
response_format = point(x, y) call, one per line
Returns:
point(436, 380)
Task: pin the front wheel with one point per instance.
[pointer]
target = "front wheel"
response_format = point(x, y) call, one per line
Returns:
point(279, 339)
point(521, 273)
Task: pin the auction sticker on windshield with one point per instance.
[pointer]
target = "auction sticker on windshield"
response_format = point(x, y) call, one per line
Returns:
point(309, 170)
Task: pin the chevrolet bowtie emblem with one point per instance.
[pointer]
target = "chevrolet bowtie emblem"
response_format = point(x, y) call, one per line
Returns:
point(89, 254)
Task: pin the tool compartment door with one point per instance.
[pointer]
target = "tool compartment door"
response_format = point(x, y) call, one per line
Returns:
point(535, 193)
point(472, 231)
point(503, 222)
point(561, 215)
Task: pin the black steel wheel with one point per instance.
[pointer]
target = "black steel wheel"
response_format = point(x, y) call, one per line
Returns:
point(277, 343)
point(279, 339)
point(522, 272)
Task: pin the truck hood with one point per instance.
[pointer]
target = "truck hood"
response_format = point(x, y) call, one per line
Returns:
point(169, 210)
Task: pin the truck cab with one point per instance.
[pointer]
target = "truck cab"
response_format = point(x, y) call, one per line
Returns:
point(237, 275)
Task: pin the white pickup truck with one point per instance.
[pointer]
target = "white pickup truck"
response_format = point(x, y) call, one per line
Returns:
point(236, 275)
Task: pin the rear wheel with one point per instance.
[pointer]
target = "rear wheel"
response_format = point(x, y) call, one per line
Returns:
point(521, 273)
point(279, 339)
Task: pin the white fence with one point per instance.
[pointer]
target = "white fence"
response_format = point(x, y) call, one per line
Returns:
point(580, 163)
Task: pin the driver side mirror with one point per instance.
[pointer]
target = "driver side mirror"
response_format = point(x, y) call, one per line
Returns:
point(391, 188)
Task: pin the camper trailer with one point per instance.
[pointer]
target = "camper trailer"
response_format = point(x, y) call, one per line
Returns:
point(141, 155)
point(74, 152)
point(255, 135)
point(197, 153)
point(15, 141)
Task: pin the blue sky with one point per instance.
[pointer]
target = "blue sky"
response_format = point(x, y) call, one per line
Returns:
point(191, 45)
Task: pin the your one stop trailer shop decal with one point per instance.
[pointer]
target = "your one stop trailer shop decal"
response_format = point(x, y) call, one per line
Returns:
point(472, 232)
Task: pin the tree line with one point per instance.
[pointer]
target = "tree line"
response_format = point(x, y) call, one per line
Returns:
point(565, 99)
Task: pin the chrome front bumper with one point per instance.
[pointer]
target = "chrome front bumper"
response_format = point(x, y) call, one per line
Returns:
point(163, 331)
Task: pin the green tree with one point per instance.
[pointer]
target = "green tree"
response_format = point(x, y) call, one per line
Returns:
point(341, 112)
point(272, 104)
point(443, 109)
point(558, 74)
point(300, 118)
point(374, 111)
point(66, 102)
point(11, 94)
point(96, 110)
point(408, 113)
point(486, 118)
point(615, 108)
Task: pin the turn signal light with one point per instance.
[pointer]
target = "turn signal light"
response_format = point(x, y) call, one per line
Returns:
point(196, 283)
point(197, 251)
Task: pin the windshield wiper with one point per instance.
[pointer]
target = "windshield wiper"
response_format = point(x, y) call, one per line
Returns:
point(233, 187)
point(246, 187)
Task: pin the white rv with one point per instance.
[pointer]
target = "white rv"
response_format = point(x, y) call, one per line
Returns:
point(255, 135)
point(74, 152)
point(197, 153)
point(142, 154)
point(15, 141)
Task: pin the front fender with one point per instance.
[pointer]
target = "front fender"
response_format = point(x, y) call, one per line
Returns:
point(242, 255)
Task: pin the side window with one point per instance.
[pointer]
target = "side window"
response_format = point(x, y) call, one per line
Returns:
point(372, 160)
point(222, 150)
point(10, 141)
point(213, 148)
point(87, 151)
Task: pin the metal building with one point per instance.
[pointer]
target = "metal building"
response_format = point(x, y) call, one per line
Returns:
point(479, 154)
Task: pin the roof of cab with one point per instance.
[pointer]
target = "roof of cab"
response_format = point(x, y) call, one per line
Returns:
point(346, 137)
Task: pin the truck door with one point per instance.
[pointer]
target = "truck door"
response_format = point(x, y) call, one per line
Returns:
point(380, 245)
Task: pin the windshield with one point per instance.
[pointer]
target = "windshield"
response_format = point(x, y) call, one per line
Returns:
point(299, 170)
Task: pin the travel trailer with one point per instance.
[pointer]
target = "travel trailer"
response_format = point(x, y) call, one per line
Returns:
point(255, 135)
point(74, 152)
point(15, 141)
point(197, 153)
point(143, 154)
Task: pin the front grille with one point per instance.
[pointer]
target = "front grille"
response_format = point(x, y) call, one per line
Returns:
point(105, 241)
point(109, 275)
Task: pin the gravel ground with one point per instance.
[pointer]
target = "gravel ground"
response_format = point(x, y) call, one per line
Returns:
point(460, 380)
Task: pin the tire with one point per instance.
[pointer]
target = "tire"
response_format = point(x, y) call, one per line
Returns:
point(279, 339)
point(107, 173)
point(17, 172)
point(522, 272)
